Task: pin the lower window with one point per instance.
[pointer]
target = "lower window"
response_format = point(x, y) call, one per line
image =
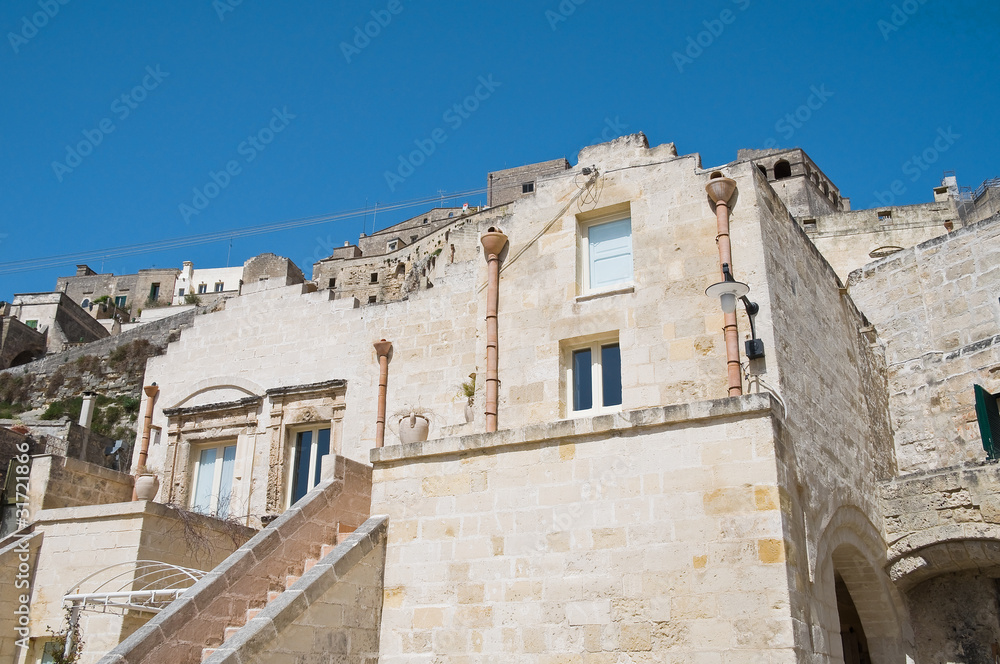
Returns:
point(311, 445)
point(213, 480)
point(595, 377)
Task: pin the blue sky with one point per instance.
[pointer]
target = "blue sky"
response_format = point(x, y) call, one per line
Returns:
point(117, 116)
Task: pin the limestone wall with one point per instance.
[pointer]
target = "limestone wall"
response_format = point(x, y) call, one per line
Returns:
point(936, 307)
point(57, 481)
point(18, 559)
point(650, 532)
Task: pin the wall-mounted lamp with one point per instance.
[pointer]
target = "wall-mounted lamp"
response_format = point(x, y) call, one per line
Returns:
point(728, 291)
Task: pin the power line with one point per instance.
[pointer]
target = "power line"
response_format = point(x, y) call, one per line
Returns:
point(31, 264)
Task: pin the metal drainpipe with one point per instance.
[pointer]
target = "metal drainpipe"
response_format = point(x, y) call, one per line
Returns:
point(493, 243)
point(147, 424)
point(721, 190)
point(382, 349)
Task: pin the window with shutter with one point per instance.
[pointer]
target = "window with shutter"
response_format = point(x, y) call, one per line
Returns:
point(989, 420)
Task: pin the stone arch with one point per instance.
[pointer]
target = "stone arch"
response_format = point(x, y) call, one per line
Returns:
point(782, 170)
point(221, 383)
point(947, 552)
point(24, 357)
point(852, 550)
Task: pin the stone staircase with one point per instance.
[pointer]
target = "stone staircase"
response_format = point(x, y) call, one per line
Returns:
point(342, 531)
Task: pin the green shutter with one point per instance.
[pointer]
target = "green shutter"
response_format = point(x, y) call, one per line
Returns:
point(989, 420)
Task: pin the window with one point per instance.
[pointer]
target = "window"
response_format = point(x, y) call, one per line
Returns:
point(372, 299)
point(202, 288)
point(154, 292)
point(213, 480)
point(333, 282)
point(120, 301)
point(413, 238)
point(988, 414)
point(594, 377)
point(884, 215)
point(311, 445)
point(219, 286)
point(393, 244)
point(527, 187)
point(606, 253)
point(180, 292)
point(782, 170)
point(374, 277)
point(85, 304)
point(809, 225)
point(33, 324)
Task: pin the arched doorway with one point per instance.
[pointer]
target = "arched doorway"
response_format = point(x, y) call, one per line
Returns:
point(852, 632)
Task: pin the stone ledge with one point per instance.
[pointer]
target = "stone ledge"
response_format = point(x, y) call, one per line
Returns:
point(561, 430)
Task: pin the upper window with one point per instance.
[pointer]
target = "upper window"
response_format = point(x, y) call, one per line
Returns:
point(393, 245)
point(33, 324)
point(606, 253)
point(527, 187)
point(594, 379)
point(219, 286)
point(782, 170)
point(311, 445)
point(213, 480)
point(154, 292)
point(180, 292)
point(120, 301)
point(202, 288)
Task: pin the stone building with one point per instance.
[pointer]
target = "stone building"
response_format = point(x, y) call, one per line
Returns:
point(54, 316)
point(649, 473)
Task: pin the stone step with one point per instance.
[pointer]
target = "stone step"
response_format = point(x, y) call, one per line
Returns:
point(230, 631)
point(252, 613)
point(326, 549)
point(272, 595)
point(309, 564)
point(290, 579)
point(205, 652)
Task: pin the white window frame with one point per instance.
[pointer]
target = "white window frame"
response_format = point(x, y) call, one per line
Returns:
point(220, 447)
point(620, 213)
point(594, 345)
point(219, 286)
point(202, 289)
point(293, 437)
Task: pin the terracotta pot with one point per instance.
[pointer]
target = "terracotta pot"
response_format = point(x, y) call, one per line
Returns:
point(146, 487)
point(413, 429)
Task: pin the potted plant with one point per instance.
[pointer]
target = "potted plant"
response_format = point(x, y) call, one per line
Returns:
point(468, 390)
point(146, 483)
point(414, 425)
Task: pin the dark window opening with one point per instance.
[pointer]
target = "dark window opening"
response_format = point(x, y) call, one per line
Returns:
point(782, 170)
point(809, 225)
point(154, 292)
point(413, 238)
point(884, 215)
point(202, 288)
point(988, 414)
point(372, 299)
point(219, 286)
point(333, 282)
point(374, 277)
point(762, 169)
point(527, 187)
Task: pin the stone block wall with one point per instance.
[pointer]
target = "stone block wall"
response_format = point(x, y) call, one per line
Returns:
point(650, 533)
point(506, 186)
point(936, 307)
point(58, 481)
point(18, 557)
point(18, 342)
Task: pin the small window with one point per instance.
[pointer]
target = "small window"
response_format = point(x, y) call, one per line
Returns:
point(154, 292)
point(595, 377)
point(988, 414)
point(85, 304)
point(413, 238)
point(202, 288)
point(426, 220)
point(310, 447)
point(213, 480)
point(763, 169)
point(219, 286)
point(374, 277)
point(372, 299)
point(393, 245)
point(180, 292)
point(527, 187)
point(606, 250)
point(884, 215)
point(809, 225)
point(33, 324)
point(333, 282)
point(120, 301)
point(782, 170)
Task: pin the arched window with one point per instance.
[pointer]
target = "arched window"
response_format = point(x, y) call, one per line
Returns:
point(85, 304)
point(782, 170)
point(763, 169)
